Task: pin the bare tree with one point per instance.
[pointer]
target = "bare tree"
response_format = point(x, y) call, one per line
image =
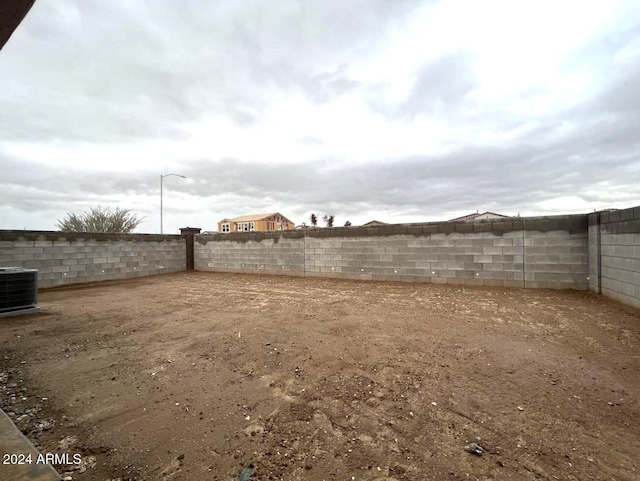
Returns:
point(328, 219)
point(347, 224)
point(314, 220)
point(100, 219)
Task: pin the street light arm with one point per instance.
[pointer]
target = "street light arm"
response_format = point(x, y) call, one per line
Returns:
point(161, 178)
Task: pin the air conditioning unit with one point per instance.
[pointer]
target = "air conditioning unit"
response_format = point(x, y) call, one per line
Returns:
point(18, 291)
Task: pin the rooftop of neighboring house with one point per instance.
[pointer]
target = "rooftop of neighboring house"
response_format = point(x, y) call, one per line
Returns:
point(251, 217)
point(254, 217)
point(374, 222)
point(480, 215)
point(275, 216)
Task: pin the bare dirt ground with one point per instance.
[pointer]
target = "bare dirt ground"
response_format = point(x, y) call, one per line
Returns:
point(194, 376)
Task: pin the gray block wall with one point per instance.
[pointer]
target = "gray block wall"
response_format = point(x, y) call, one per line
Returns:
point(536, 252)
point(266, 253)
point(598, 251)
point(616, 236)
point(454, 258)
point(556, 252)
point(594, 253)
point(63, 258)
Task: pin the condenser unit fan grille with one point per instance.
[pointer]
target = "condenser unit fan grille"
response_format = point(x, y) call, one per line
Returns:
point(18, 291)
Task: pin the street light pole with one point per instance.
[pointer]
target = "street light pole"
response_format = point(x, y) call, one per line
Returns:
point(161, 179)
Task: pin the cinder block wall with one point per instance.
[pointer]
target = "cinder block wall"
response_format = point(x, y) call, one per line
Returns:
point(600, 251)
point(69, 258)
point(534, 252)
point(594, 252)
point(615, 247)
point(556, 252)
point(257, 252)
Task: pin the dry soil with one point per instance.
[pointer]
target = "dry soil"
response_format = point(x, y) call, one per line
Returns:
point(195, 376)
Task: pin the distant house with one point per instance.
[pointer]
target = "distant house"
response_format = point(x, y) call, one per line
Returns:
point(479, 216)
point(374, 222)
point(255, 223)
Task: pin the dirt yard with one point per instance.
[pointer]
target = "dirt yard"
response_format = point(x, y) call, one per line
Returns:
point(195, 376)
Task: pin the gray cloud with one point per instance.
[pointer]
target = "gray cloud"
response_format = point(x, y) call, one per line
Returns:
point(511, 179)
point(112, 73)
point(439, 92)
point(440, 87)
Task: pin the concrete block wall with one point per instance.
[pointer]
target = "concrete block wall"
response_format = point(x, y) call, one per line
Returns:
point(616, 236)
point(69, 258)
point(556, 252)
point(257, 252)
point(279, 253)
point(600, 251)
point(473, 258)
point(594, 252)
point(536, 252)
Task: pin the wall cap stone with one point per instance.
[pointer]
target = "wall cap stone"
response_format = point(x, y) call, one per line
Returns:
point(34, 235)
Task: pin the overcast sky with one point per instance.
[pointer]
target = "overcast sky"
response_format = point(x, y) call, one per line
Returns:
point(395, 110)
